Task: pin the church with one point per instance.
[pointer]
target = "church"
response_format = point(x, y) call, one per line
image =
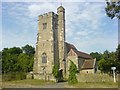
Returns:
point(51, 47)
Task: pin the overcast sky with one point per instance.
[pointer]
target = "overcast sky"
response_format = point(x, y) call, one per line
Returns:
point(87, 26)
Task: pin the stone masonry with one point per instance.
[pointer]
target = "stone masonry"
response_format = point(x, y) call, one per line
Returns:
point(51, 47)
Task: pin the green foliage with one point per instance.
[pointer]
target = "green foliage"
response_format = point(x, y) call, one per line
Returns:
point(14, 50)
point(14, 61)
point(28, 49)
point(110, 59)
point(106, 54)
point(118, 58)
point(55, 71)
point(58, 75)
point(10, 59)
point(105, 65)
point(113, 9)
point(118, 52)
point(0, 62)
point(26, 62)
point(72, 73)
point(96, 55)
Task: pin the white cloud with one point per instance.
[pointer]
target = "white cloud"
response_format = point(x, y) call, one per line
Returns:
point(83, 23)
point(99, 44)
point(87, 16)
point(82, 33)
point(40, 8)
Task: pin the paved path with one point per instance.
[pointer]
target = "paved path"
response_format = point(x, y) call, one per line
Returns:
point(56, 85)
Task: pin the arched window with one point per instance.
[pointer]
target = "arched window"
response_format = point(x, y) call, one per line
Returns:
point(44, 58)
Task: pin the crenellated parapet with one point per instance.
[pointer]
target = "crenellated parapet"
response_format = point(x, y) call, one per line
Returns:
point(45, 15)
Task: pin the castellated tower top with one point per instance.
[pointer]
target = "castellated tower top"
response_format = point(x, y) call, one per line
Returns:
point(47, 14)
point(60, 9)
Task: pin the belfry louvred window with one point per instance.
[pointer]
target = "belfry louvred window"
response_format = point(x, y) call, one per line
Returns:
point(44, 25)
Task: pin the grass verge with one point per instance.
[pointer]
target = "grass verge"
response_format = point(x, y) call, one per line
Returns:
point(29, 82)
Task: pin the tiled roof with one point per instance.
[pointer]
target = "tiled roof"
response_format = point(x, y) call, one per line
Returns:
point(79, 53)
point(70, 46)
point(88, 64)
point(84, 55)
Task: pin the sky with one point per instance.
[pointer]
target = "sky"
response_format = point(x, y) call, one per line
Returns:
point(87, 25)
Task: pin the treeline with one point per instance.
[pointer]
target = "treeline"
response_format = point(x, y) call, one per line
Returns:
point(15, 60)
point(107, 59)
point(20, 60)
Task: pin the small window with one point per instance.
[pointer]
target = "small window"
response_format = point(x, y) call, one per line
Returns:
point(44, 25)
point(44, 58)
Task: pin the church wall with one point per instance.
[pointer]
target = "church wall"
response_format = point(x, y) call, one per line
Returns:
point(45, 45)
point(55, 38)
point(35, 60)
point(44, 77)
point(51, 43)
point(61, 36)
point(80, 63)
point(87, 71)
point(75, 61)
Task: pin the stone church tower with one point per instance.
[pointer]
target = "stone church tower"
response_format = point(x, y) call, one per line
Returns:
point(50, 46)
point(61, 36)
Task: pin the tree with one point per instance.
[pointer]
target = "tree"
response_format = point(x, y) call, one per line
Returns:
point(0, 62)
point(106, 54)
point(15, 63)
point(10, 59)
point(118, 58)
point(96, 55)
point(110, 59)
point(25, 62)
point(113, 9)
point(105, 65)
point(14, 50)
point(28, 49)
point(13, 60)
point(118, 52)
point(72, 73)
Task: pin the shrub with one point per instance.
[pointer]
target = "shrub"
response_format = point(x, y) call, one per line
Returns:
point(55, 72)
point(58, 75)
point(72, 73)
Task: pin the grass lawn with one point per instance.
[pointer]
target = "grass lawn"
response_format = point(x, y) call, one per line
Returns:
point(39, 83)
point(96, 85)
point(28, 82)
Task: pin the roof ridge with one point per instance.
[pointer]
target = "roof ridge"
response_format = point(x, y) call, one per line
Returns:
point(79, 53)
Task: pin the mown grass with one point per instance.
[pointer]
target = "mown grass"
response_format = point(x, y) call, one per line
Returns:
point(29, 82)
point(36, 82)
point(95, 85)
